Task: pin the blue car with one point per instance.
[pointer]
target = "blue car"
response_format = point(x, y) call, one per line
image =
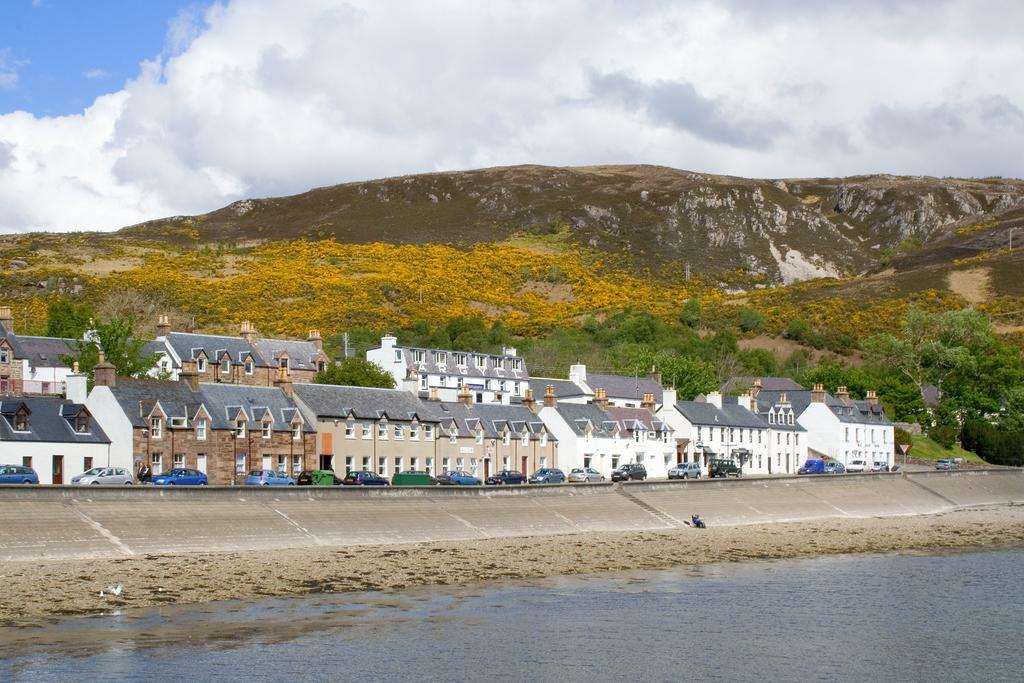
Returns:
point(18, 474)
point(268, 478)
point(812, 466)
point(458, 478)
point(180, 476)
point(548, 475)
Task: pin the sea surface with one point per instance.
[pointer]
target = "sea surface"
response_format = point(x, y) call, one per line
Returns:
point(895, 617)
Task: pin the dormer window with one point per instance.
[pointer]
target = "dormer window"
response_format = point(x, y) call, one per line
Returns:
point(637, 436)
point(517, 364)
point(414, 431)
point(268, 430)
point(201, 429)
point(156, 427)
point(297, 431)
point(21, 421)
point(382, 430)
point(479, 436)
point(398, 355)
point(453, 437)
point(543, 439)
point(506, 438)
point(525, 439)
point(82, 423)
point(440, 357)
point(419, 356)
point(225, 366)
point(240, 429)
point(321, 366)
point(5, 355)
point(790, 416)
point(283, 362)
point(460, 359)
point(200, 364)
point(250, 367)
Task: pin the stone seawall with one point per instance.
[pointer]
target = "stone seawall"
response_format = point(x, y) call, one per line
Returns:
point(55, 523)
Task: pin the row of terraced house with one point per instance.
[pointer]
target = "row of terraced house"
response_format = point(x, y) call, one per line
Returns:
point(232, 404)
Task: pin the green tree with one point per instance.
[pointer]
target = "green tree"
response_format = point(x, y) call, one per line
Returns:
point(126, 352)
point(65, 318)
point(797, 329)
point(749, 319)
point(691, 314)
point(355, 372)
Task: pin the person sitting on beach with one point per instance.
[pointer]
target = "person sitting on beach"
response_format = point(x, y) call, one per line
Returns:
point(698, 522)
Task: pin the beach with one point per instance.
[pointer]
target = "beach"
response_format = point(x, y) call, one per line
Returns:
point(43, 591)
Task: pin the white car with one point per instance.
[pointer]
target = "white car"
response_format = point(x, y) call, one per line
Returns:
point(858, 466)
point(105, 476)
point(585, 474)
point(685, 470)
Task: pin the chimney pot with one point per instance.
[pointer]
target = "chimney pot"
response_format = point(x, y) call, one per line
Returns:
point(550, 401)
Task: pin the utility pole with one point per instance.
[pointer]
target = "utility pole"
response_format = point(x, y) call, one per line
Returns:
point(345, 337)
point(1011, 238)
point(687, 272)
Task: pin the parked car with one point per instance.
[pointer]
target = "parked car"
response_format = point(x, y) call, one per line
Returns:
point(180, 476)
point(18, 474)
point(107, 476)
point(364, 478)
point(548, 475)
point(458, 478)
point(413, 478)
point(584, 474)
point(685, 470)
point(812, 466)
point(506, 477)
point(857, 466)
point(629, 471)
point(947, 464)
point(879, 466)
point(268, 478)
point(317, 478)
point(724, 468)
point(833, 467)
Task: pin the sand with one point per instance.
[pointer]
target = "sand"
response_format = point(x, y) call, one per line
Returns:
point(36, 592)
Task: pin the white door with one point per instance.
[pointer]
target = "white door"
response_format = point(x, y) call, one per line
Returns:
point(267, 463)
point(201, 463)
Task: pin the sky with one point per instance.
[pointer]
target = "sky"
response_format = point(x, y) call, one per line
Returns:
point(113, 113)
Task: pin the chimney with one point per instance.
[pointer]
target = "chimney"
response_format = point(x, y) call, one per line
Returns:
point(433, 394)
point(755, 389)
point(872, 398)
point(465, 395)
point(783, 398)
point(316, 340)
point(668, 398)
point(76, 389)
point(578, 373)
point(529, 402)
point(248, 332)
point(163, 326)
point(655, 375)
point(714, 398)
point(6, 319)
point(104, 374)
point(748, 402)
point(190, 373)
point(550, 401)
point(284, 382)
point(818, 393)
point(843, 395)
point(648, 402)
point(508, 350)
point(601, 398)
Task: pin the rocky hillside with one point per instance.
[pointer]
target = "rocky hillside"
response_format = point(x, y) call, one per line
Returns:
point(774, 231)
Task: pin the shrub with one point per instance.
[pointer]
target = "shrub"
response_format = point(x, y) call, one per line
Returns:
point(797, 329)
point(750, 319)
point(944, 435)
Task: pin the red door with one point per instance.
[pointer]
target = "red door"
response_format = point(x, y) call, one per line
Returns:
point(524, 471)
point(58, 469)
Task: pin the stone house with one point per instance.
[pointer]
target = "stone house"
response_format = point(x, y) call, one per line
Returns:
point(247, 359)
point(31, 365)
point(224, 430)
point(378, 430)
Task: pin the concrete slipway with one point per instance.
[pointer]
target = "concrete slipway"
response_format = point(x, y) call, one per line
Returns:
point(54, 523)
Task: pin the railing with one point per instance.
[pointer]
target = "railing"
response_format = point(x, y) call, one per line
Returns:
point(18, 387)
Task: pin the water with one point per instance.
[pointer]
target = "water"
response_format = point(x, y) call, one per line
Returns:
point(882, 617)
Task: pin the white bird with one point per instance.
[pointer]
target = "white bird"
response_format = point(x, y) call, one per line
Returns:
point(113, 590)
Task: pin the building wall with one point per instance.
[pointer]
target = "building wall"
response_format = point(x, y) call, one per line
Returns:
point(107, 411)
point(42, 453)
point(374, 453)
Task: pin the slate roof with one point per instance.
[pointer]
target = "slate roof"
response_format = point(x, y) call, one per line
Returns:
point(852, 411)
point(301, 354)
point(636, 419)
point(739, 416)
point(563, 388)
point(51, 420)
point(743, 384)
point(187, 346)
point(332, 401)
point(223, 402)
point(41, 351)
point(625, 387)
point(578, 416)
point(499, 366)
point(492, 417)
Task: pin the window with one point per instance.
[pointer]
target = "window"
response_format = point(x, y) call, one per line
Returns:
point(787, 439)
point(82, 424)
point(179, 459)
point(399, 432)
point(440, 357)
point(283, 362)
point(543, 461)
point(366, 463)
point(200, 364)
point(26, 461)
point(240, 429)
point(460, 463)
point(796, 439)
point(501, 386)
point(525, 440)
point(419, 356)
point(414, 463)
point(282, 463)
point(225, 366)
point(398, 355)
point(267, 430)
point(414, 432)
point(382, 466)
point(430, 465)
point(637, 435)
point(791, 418)
point(5, 355)
point(398, 465)
point(543, 439)
point(428, 432)
point(201, 429)
point(699, 429)
point(472, 465)
point(479, 436)
point(615, 462)
point(250, 367)
point(296, 464)
point(506, 438)
point(382, 430)
point(445, 464)
point(423, 382)
point(367, 430)
point(349, 462)
point(321, 366)
point(155, 427)
point(155, 461)
point(504, 463)
point(239, 464)
point(771, 417)
point(297, 431)
point(651, 436)
point(87, 463)
point(664, 437)
point(516, 390)
point(350, 430)
point(453, 437)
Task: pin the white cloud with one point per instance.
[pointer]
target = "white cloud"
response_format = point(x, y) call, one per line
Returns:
point(9, 67)
point(95, 74)
point(261, 98)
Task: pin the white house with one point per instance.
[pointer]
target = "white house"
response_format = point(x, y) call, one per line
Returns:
point(440, 374)
point(59, 438)
point(649, 439)
point(587, 436)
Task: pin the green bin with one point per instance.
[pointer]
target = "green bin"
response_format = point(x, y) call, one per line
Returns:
point(324, 478)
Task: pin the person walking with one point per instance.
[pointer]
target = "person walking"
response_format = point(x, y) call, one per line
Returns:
point(144, 476)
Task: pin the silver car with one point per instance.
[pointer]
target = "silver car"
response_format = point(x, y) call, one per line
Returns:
point(105, 476)
point(684, 470)
point(585, 474)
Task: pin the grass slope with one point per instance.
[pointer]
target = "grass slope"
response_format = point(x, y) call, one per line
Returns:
point(926, 449)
